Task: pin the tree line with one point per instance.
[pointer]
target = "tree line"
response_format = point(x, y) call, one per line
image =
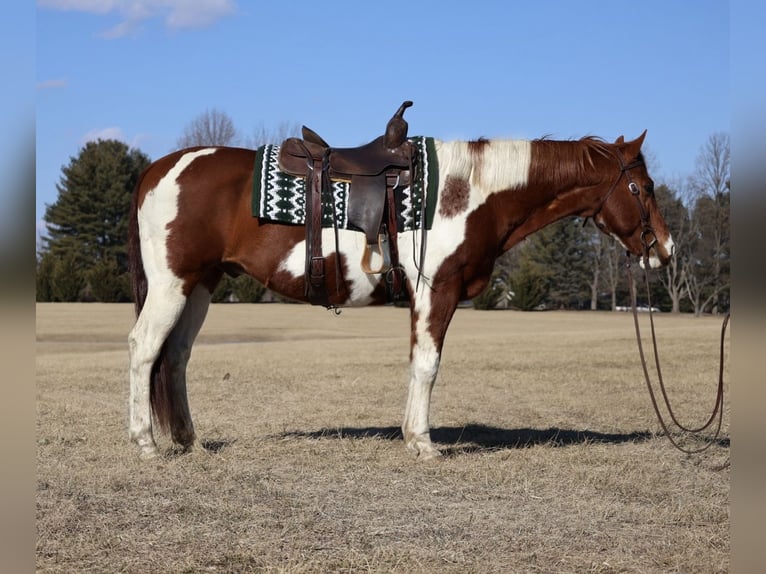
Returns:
point(567, 265)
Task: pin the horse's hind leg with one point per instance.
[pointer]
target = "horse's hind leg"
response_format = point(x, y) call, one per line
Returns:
point(179, 346)
point(162, 309)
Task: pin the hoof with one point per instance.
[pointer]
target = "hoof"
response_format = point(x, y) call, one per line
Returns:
point(149, 453)
point(429, 455)
point(186, 440)
point(196, 447)
point(422, 448)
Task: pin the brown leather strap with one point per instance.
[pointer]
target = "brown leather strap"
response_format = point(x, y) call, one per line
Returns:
point(394, 277)
point(316, 288)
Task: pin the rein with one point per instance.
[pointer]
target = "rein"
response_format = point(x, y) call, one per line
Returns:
point(648, 239)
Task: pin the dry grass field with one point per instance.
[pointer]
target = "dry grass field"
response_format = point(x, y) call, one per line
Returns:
point(552, 459)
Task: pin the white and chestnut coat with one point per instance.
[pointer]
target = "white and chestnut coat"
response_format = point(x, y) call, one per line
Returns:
point(191, 222)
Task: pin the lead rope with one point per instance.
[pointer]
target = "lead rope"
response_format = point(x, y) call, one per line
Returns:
point(717, 410)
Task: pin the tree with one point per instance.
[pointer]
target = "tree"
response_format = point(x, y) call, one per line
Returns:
point(677, 218)
point(708, 265)
point(44, 277)
point(211, 128)
point(67, 282)
point(528, 285)
point(240, 289)
point(263, 135)
point(557, 266)
point(493, 294)
point(562, 250)
point(498, 292)
point(595, 260)
point(611, 258)
point(88, 223)
point(108, 282)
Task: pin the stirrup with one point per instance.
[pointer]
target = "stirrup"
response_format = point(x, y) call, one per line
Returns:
point(385, 252)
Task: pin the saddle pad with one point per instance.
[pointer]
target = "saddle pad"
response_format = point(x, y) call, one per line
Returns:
point(281, 197)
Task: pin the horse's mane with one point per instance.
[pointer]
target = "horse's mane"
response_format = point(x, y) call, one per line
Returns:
point(496, 163)
point(562, 161)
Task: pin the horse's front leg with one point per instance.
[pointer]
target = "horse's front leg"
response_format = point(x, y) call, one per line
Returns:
point(429, 325)
point(424, 365)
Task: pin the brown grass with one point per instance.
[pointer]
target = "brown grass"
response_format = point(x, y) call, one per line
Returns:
point(552, 460)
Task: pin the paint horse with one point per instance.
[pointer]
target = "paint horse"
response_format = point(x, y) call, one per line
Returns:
point(191, 222)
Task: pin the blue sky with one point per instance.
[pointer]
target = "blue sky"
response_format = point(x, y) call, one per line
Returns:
point(141, 70)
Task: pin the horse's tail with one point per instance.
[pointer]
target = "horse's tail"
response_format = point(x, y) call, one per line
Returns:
point(138, 283)
point(160, 395)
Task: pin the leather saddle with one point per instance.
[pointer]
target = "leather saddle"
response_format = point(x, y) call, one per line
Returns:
point(373, 170)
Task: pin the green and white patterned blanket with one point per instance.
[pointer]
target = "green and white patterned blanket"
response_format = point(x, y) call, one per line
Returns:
point(280, 197)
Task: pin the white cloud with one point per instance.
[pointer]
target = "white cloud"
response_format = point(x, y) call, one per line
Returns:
point(91, 6)
point(186, 14)
point(51, 84)
point(115, 133)
point(177, 14)
point(112, 133)
point(121, 30)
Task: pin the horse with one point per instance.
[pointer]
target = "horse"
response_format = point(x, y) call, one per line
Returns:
point(191, 222)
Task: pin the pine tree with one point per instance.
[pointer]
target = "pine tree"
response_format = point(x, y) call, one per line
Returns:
point(107, 282)
point(89, 220)
point(528, 285)
point(44, 277)
point(67, 282)
point(562, 253)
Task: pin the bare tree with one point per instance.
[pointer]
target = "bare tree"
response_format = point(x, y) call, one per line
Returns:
point(707, 269)
point(595, 260)
point(674, 281)
point(612, 254)
point(211, 128)
point(676, 215)
point(263, 135)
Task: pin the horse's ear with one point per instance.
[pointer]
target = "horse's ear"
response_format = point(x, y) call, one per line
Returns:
point(633, 148)
point(620, 141)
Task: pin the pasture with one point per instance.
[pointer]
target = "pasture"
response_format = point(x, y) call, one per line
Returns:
point(551, 459)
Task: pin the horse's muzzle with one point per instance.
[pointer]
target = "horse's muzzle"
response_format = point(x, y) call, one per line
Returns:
point(660, 254)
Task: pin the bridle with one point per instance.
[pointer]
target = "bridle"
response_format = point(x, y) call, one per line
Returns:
point(649, 240)
point(648, 236)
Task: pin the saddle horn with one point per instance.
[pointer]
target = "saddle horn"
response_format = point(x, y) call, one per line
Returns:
point(396, 129)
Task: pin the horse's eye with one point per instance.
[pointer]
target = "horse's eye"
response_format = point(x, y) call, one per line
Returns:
point(649, 188)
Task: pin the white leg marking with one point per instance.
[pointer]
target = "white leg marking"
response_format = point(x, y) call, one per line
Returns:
point(159, 315)
point(424, 367)
point(164, 300)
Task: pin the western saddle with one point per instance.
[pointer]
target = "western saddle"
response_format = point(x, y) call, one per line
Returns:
point(374, 171)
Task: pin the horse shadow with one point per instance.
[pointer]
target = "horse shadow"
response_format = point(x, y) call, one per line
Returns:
point(472, 438)
point(454, 440)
